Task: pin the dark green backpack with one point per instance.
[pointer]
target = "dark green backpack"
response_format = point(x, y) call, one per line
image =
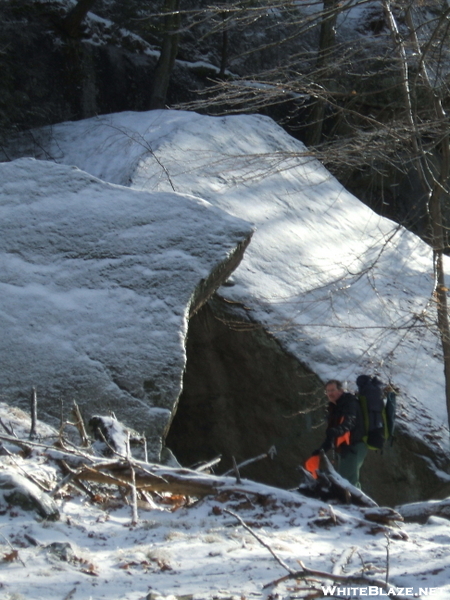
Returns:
point(378, 414)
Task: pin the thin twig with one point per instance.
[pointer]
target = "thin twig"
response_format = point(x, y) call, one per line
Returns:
point(33, 408)
point(79, 424)
point(236, 470)
point(128, 447)
point(10, 430)
point(145, 448)
point(260, 540)
point(245, 463)
point(61, 415)
point(135, 516)
point(209, 464)
point(388, 543)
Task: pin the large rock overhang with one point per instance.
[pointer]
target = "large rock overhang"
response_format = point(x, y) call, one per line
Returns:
point(338, 288)
point(97, 285)
point(245, 396)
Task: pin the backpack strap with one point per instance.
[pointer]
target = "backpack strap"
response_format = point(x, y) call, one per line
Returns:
point(365, 414)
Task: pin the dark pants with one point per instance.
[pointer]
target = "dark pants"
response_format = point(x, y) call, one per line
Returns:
point(350, 461)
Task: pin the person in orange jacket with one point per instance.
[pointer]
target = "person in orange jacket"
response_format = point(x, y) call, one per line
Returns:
point(345, 431)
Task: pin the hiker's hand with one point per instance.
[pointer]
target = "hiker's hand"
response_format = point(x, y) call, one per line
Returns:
point(315, 452)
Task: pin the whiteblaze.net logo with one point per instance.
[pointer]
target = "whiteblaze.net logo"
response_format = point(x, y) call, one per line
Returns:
point(371, 590)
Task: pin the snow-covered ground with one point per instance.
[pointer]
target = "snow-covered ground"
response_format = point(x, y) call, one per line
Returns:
point(343, 289)
point(199, 551)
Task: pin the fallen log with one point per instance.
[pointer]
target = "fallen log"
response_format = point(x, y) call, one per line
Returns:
point(155, 478)
point(350, 491)
point(159, 478)
point(420, 512)
point(83, 467)
point(384, 515)
point(148, 476)
point(330, 485)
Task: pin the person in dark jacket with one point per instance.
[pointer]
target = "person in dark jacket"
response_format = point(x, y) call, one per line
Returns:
point(345, 431)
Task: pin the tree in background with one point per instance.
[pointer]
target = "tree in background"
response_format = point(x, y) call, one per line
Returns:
point(432, 163)
point(327, 43)
point(72, 22)
point(169, 49)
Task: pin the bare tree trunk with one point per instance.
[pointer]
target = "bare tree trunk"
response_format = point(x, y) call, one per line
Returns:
point(439, 188)
point(435, 184)
point(71, 24)
point(224, 48)
point(168, 54)
point(326, 43)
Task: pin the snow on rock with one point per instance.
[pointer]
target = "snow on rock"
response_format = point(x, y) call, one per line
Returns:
point(17, 423)
point(422, 511)
point(15, 489)
point(341, 288)
point(97, 282)
point(112, 434)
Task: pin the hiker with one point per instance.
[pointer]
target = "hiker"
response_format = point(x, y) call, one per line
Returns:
point(345, 431)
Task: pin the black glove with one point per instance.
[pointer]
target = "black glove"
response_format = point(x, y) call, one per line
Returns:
point(316, 452)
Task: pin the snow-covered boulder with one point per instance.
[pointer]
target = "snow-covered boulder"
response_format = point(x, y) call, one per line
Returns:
point(337, 288)
point(341, 287)
point(97, 283)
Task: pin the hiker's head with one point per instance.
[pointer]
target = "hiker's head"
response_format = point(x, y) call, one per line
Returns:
point(333, 390)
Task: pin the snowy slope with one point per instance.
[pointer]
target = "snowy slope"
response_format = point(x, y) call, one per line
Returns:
point(343, 289)
point(180, 550)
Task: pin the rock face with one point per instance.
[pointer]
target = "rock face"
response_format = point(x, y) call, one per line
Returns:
point(97, 283)
point(406, 471)
point(242, 395)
